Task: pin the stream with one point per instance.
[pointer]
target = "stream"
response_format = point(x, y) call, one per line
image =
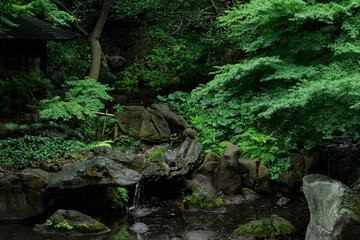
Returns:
point(170, 221)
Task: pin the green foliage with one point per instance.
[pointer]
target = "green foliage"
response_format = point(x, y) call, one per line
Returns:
point(123, 192)
point(156, 154)
point(297, 85)
point(197, 198)
point(219, 124)
point(301, 74)
point(258, 145)
point(49, 222)
point(184, 41)
point(63, 225)
point(82, 97)
point(23, 90)
point(41, 8)
point(124, 141)
point(14, 153)
point(118, 197)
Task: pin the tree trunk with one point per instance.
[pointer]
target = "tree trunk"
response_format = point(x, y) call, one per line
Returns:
point(93, 40)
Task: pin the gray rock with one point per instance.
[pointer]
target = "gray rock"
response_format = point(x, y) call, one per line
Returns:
point(334, 209)
point(189, 157)
point(282, 201)
point(172, 119)
point(248, 169)
point(304, 163)
point(71, 223)
point(203, 183)
point(190, 133)
point(209, 166)
point(146, 124)
point(263, 180)
point(286, 182)
point(267, 228)
point(228, 179)
point(96, 171)
point(170, 158)
point(155, 171)
point(132, 161)
point(201, 235)
point(22, 194)
point(139, 227)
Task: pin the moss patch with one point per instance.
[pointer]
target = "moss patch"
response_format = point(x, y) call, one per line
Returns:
point(246, 191)
point(268, 227)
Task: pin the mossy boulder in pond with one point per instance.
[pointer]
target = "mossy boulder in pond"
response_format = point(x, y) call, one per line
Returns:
point(72, 223)
point(268, 228)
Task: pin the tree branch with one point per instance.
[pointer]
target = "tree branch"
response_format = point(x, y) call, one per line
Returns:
point(75, 23)
point(102, 18)
point(215, 8)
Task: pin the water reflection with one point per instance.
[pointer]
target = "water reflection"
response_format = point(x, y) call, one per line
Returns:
point(172, 222)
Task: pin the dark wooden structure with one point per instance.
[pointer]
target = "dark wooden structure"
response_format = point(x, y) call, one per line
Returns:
point(28, 39)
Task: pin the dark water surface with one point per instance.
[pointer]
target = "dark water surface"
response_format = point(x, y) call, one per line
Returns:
point(171, 221)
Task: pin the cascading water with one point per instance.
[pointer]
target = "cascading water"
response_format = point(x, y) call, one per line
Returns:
point(137, 194)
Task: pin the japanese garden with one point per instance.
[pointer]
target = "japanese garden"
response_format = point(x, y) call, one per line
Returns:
point(180, 120)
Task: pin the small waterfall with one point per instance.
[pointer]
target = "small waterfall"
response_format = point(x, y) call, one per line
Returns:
point(137, 195)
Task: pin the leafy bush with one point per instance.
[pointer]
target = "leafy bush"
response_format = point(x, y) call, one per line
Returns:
point(82, 97)
point(218, 125)
point(14, 153)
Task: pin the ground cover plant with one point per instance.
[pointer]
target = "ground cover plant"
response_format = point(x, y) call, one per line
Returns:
point(15, 153)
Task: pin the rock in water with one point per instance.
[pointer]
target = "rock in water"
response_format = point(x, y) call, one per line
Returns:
point(139, 227)
point(267, 228)
point(72, 223)
point(201, 235)
point(334, 209)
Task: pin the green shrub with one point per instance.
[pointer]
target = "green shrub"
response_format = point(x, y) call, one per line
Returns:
point(82, 97)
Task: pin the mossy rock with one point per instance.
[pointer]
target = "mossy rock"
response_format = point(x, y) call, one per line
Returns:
point(264, 228)
point(72, 223)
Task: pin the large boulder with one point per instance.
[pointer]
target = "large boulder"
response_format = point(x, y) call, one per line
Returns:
point(334, 209)
point(71, 223)
point(22, 194)
point(228, 179)
point(96, 171)
point(146, 124)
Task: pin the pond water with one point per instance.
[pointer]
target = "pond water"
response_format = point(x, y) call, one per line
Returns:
point(171, 221)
